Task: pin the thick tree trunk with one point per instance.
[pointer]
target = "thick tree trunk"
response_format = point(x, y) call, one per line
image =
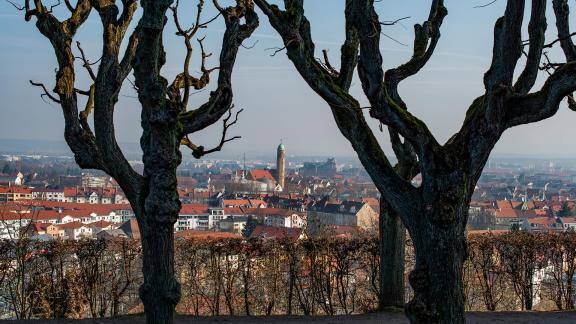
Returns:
point(437, 279)
point(159, 202)
point(160, 292)
point(392, 246)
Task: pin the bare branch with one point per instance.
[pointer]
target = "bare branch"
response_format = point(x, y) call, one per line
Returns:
point(327, 64)
point(275, 50)
point(250, 46)
point(543, 104)
point(294, 28)
point(204, 57)
point(393, 39)
point(348, 51)
point(486, 4)
point(16, 6)
point(46, 93)
point(241, 21)
point(536, 30)
point(78, 17)
point(54, 6)
point(507, 46)
point(184, 80)
point(551, 44)
point(393, 22)
point(129, 54)
point(87, 64)
point(199, 151)
point(69, 5)
point(388, 106)
point(562, 13)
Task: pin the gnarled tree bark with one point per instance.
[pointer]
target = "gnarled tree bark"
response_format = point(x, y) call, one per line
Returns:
point(165, 120)
point(435, 214)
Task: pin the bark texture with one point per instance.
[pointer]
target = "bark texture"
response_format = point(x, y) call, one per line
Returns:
point(392, 252)
point(165, 119)
point(435, 214)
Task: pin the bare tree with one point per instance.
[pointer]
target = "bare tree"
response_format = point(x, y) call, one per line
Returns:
point(165, 119)
point(18, 258)
point(435, 213)
point(487, 271)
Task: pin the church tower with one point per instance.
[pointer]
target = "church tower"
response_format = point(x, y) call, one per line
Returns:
point(281, 165)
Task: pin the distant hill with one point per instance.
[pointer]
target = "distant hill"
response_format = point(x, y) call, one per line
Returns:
point(51, 147)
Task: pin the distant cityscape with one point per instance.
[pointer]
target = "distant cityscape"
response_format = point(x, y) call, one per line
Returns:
point(49, 197)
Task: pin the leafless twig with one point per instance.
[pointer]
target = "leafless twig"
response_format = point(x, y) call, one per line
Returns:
point(46, 92)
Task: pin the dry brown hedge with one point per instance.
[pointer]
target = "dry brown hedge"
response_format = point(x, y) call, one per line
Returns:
point(95, 278)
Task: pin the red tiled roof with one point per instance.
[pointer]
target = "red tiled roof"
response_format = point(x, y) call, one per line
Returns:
point(516, 204)
point(541, 212)
point(71, 225)
point(24, 190)
point(199, 194)
point(530, 205)
point(9, 216)
point(193, 209)
point(70, 192)
point(503, 204)
point(54, 214)
point(506, 213)
point(234, 211)
point(260, 174)
point(244, 202)
point(542, 221)
point(100, 224)
point(570, 220)
point(371, 201)
point(41, 226)
point(87, 191)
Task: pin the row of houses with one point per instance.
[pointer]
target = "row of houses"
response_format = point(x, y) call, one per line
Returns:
point(80, 195)
point(525, 215)
point(73, 230)
point(15, 216)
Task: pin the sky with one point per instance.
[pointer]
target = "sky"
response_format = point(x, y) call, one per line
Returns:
point(278, 105)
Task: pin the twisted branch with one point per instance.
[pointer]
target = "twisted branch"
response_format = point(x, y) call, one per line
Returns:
point(200, 151)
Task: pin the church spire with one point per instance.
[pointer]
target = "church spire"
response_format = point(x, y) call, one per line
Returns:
point(281, 164)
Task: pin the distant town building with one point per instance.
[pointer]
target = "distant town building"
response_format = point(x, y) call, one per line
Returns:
point(281, 165)
point(48, 194)
point(347, 213)
point(277, 217)
point(19, 181)
point(319, 169)
point(12, 193)
point(233, 224)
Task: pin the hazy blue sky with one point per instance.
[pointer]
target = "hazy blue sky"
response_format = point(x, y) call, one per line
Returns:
point(277, 103)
